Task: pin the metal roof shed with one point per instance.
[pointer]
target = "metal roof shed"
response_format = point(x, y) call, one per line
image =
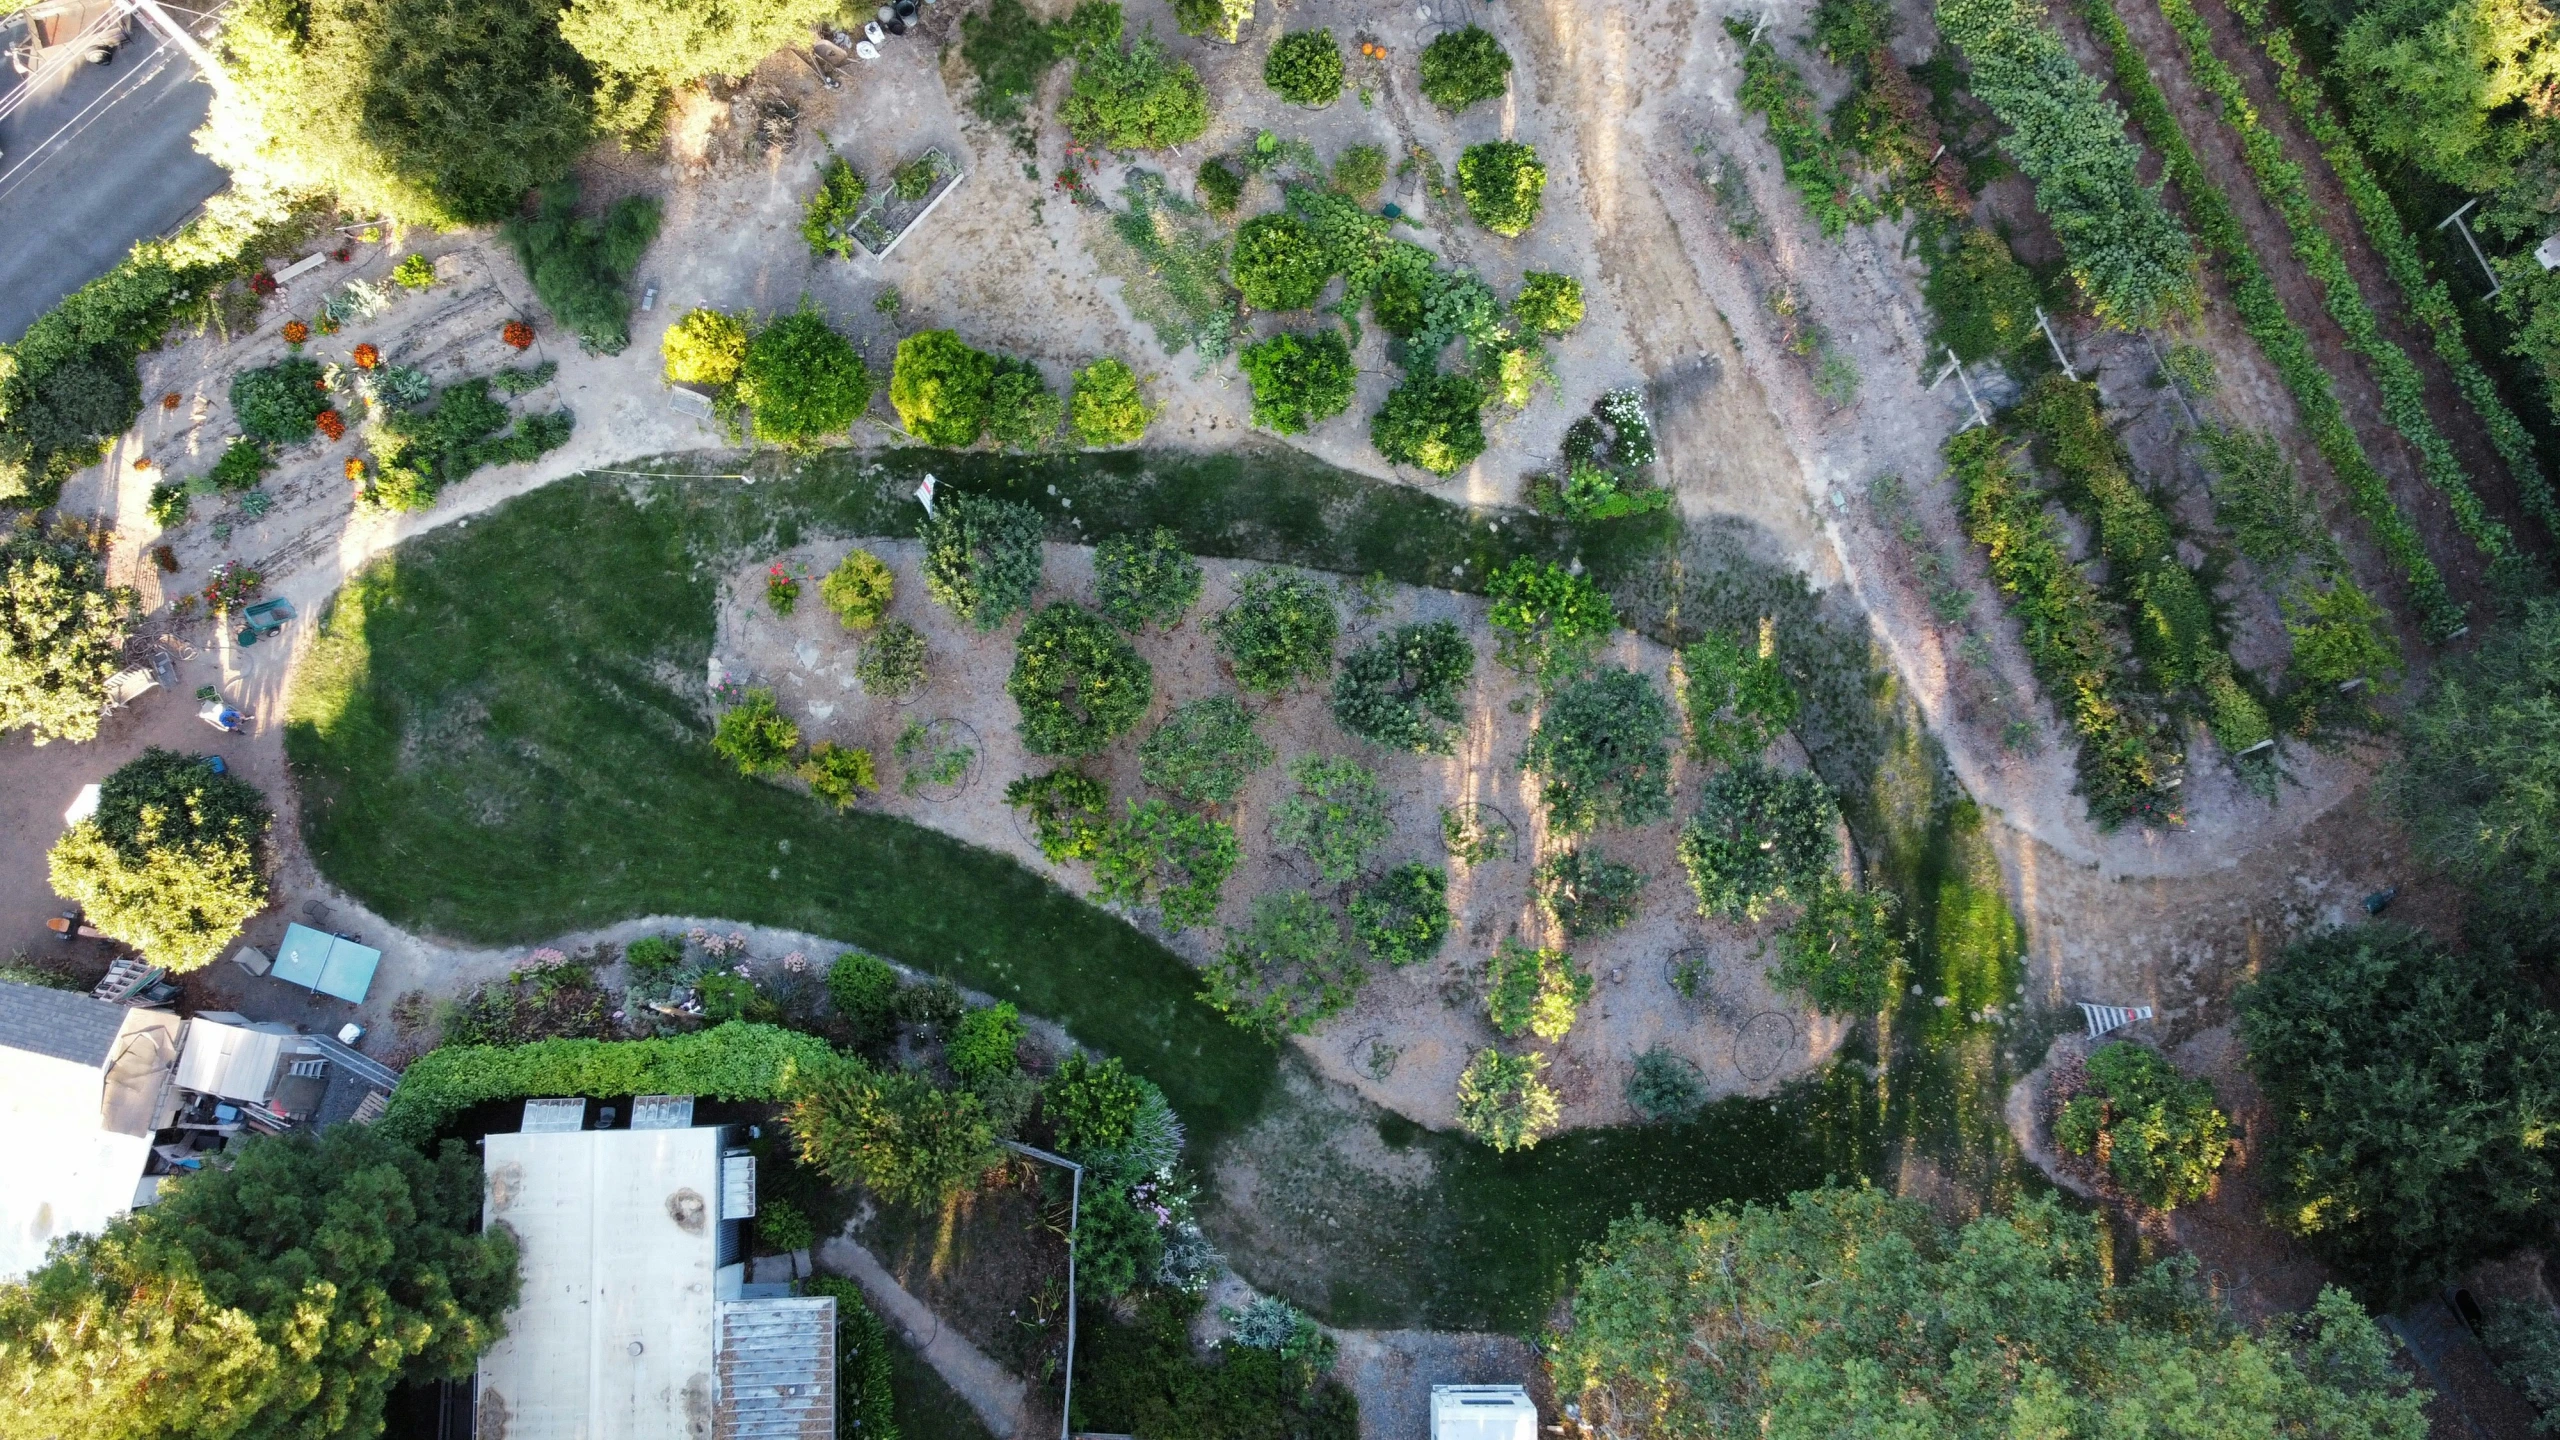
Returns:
point(1482, 1412)
point(232, 1056)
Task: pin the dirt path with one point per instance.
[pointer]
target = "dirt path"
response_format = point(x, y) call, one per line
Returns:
point(1001, 1399)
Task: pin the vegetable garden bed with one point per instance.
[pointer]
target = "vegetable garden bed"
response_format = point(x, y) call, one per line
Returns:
point(887, 218)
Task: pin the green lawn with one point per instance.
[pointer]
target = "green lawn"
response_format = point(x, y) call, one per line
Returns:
point(499, 735)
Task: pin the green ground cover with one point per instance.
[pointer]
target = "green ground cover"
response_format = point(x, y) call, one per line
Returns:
point(499, 735)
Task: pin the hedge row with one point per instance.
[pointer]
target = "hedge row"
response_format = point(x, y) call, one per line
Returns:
point(2280, 181)
point(2282, 341)
point(2427, 296)
point(735, 1061)
point(2166, 607)
point(2062, 621)
point(2124, 247)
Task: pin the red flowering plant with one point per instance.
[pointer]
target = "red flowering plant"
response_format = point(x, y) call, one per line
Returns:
point(295, 332)
point(262, 284)
point(781, 589)
point(367, 357)
point(232, 586)
point(518, 335)
point(331, 424)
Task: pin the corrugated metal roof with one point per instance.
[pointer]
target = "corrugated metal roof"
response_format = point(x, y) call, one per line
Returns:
point(737, 1186)
point(554, 1117)
point(662, 1112)
point(777, 1369)
point(58, 1024)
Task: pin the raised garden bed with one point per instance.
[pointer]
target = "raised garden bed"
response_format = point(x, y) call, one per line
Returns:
point(887, 216)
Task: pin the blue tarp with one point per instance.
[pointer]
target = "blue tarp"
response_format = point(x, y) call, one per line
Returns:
point(330, 964)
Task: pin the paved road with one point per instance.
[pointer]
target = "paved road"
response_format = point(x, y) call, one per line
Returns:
point(89, 170)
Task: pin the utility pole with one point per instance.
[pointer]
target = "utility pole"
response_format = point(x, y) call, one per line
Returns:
point(152, 15)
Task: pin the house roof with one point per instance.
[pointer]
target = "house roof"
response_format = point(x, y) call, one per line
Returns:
point(58, 1024)
point(1482, 1412)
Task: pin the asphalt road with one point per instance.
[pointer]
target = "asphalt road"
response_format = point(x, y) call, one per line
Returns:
point(90, 169)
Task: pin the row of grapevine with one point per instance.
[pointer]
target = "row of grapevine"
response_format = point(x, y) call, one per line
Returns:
point(2061, 617)
point(2281, 340)
point(2281, 182)
point(2125, 249)
point(2428, 298)
point(1816, 166)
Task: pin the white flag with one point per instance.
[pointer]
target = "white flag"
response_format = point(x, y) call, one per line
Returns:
point(924, 492)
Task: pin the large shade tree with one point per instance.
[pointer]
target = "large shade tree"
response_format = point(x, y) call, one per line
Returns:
point(62, 633)
point(639, 48)
point(281, 1293)
point(2479, 781)
point(173, 862)
point(437, 112)
point(1850, 1312)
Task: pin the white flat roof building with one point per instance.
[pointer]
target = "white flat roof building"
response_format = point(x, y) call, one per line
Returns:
point(631, 1324)
point(83, 1084)
point(1483, 1412)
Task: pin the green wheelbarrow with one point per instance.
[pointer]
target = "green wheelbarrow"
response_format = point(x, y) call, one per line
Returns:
point(264, 619)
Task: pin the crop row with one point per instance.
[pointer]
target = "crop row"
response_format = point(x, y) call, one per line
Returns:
point(2280, 181)
point(1815, 165)
point(2428, 299)
point(2125, 249)
point(2262, 313)
point(2165, 606)
point(2062, 622)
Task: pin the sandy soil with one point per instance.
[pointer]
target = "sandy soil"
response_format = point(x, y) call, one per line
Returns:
point(1413, 1030)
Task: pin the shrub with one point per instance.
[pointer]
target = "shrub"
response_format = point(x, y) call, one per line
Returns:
point(827, 221)
point(1093, 1107)
point(2523, 1338)
point(1588, 893)
point(982, 557)
point(839, 775)
point(1551, 620)
point(2377, 1030)
point(1403, 688)
point(1280, 263)
point(1533, 992)
point(2476, 781)
point(1503, 185)
point(1502, 1102)
point(1299, 378)
point(1221, 189)
point(892, 662)
point(1336, 818)
point(864, 991)
point(419, 452)
point(1664, 1087)
point(1548, 303)
point(1461, 67)
point(859, 589)
point(866, 1365)
point(1738, 698)
point(280, 403)
point(1218, 19)
point(1287, 971)
point(1022, 411)
point(241, 465)
point(1403, 915)
point(173, 863)
point(1474, 834)
point(1179, 858)
point(2162, 1138)
point(802, 380)
point(1305, 68)
point(726, 1062)
point(1280, 627)
point(1108, 408)
point(414, 272)
point(63, 630)
point(1601, 752)
point(1145, 580)
point(1132, 98)
point(1982, 302)
point(909, 1142)
point(985, 1043)
point(1070, 812)
point(1760, 836)
point(168, 506)
point(1360, 171)
point(1431, 420)
point(941, 388)
point(1204, 751)
point(756, 735)
point(1078, 684)
point(931, 755)
point(581, 268)
point(1844, 953)
point(934, 1005)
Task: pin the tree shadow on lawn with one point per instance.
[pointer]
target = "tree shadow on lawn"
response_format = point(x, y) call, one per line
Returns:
point(499, 734)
